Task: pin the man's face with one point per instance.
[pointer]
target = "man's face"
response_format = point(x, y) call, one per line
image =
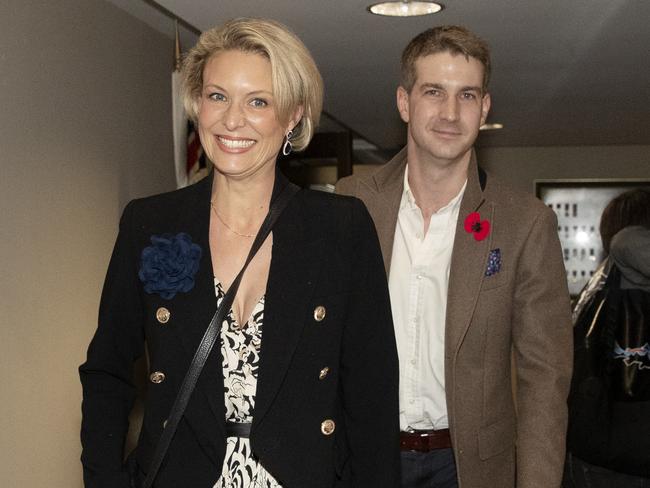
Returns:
point(445, 108)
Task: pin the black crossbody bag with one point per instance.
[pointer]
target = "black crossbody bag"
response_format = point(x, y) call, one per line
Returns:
point(205, 347)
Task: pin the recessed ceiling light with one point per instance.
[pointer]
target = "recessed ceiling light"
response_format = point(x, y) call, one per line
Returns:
point(494, 126)
point(405, 8)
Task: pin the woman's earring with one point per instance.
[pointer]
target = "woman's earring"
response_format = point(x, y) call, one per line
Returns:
point(287, 147)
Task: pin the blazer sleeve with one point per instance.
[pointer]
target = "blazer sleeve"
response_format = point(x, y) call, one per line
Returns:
point(543, 355)
point(107, 374)
point(369, 366)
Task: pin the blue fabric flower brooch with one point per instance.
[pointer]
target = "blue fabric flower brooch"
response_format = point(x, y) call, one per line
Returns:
point(168, 266)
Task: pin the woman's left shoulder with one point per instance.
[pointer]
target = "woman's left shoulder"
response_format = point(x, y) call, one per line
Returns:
point(342, 221)
point(330, 203)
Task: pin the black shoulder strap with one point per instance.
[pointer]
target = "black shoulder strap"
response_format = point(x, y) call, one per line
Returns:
point(210, 337)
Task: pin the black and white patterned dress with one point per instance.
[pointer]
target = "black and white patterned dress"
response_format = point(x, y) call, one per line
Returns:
point(240, 347)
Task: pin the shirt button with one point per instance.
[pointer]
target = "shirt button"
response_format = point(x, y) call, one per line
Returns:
point(413, 362)
point(323, 373)
point(157, 377)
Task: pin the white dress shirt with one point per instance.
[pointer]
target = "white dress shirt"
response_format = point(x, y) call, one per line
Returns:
point(418, 283)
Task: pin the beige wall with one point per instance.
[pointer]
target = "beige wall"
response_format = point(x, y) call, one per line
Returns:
point(84, 127)
point(520, 166)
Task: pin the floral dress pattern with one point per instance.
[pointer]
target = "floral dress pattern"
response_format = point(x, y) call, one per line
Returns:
point(240, 347)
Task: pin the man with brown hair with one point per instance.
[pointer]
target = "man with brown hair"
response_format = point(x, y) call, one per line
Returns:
point(477, 284)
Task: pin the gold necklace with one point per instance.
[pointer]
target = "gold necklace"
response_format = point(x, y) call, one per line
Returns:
point(227, 226)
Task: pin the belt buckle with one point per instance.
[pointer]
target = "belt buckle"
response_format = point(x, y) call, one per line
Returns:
point(422, 432)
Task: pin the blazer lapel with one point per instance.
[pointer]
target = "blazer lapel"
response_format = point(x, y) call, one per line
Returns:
point(201, 305)
point(201, 302)
point(468, 261)
point(295, 262)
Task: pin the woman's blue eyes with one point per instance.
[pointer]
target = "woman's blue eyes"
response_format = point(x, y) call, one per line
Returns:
point(255, 102)
point(259, 103)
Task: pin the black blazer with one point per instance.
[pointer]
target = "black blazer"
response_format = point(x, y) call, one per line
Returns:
point(325, 252)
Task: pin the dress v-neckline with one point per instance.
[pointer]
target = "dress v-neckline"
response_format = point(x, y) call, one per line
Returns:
point(220, 292)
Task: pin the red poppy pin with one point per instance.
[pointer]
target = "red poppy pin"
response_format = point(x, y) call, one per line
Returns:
point(474, 224)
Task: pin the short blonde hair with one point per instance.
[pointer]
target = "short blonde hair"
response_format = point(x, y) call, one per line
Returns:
point(296, 79)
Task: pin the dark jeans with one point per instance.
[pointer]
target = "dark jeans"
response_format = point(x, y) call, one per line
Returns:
point(579, 474)
point(434, 469)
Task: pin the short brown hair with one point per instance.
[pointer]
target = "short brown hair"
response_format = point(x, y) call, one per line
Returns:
point(296, 79)
point(629, 208)
point(454, 39)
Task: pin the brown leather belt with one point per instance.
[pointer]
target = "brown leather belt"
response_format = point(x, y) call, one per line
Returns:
point(424, 440)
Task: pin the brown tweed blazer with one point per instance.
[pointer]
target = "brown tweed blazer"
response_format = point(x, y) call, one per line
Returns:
point(511, 328)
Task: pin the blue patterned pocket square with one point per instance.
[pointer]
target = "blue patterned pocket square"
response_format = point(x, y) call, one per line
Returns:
point(494, 262)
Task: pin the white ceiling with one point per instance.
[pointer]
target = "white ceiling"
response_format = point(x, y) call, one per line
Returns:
point(564, 72)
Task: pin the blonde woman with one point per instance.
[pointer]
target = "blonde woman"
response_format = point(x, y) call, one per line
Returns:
point(300, 389)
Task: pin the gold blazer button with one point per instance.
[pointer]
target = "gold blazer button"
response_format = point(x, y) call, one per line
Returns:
point(323, 373)
point(157, 377)
point(162, 315)
point(327, 427)
point(319, 313)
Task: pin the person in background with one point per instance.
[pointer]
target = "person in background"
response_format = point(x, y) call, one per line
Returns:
point(301, 388)
point(476, 277)
point(612, 449)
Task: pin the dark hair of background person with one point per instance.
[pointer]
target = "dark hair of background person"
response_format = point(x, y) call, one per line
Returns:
point(629, 208)
point(447, 38)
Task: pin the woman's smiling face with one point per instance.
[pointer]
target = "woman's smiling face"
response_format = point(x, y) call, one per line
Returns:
point(237, 118)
